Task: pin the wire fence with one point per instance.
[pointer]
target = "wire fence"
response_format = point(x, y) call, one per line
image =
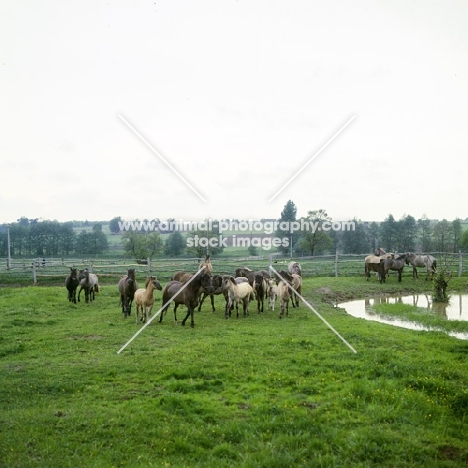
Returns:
point(55, 270)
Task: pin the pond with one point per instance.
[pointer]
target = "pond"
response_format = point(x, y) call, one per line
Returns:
point(456, 309)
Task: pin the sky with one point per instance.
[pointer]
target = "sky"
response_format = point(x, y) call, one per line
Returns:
point(230, 108)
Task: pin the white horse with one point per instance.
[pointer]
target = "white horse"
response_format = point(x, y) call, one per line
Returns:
point(295, 268)
point(417, 260)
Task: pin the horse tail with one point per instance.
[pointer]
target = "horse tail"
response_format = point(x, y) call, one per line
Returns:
point(434, 265)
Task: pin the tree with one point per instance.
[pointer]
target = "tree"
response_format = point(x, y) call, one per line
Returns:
point(464, 240)
point(142, 246)
point(175, 244)
point(457, 231)
point(372, 235)
point(354, 241)
point(67, 238)
point(443, 236)
point(82, 246)
point(98, 241)
point(406, 234)
point(316, 241)
point(388, 234)
point(252, 251)
point(196, 241)
point(425, 233)
point(114, 226)
point(288, 215)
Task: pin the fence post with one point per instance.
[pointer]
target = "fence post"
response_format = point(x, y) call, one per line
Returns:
point(460, 263)
point(148, 262)
point(90, 269)
point(336, 264)
point(34, 272)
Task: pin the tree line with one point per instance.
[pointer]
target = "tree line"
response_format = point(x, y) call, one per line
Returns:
point(34, 238)
point(403, 235)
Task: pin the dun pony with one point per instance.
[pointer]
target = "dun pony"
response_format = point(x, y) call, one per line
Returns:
point(144, 298)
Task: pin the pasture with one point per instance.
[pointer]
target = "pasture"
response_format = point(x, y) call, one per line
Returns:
point(248, 392)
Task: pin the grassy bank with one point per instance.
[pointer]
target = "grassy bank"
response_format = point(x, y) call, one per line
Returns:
point(253, 392)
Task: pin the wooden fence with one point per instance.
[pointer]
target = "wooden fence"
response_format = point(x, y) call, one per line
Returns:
point(54, 270)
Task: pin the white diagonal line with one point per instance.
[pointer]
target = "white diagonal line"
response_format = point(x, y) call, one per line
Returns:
point(159, 311)
point(315, 312)
point(312, 158)
point(162, 158)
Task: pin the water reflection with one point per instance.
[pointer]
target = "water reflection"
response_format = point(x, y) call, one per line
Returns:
point(456, 309)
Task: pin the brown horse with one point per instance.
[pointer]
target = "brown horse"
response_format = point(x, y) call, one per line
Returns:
point(185, 293)
point(250, 274)
point(127, 287)
point(71, 283)
point(217, 289)
point(372, 262)
point(396, 264)
point(260, 290)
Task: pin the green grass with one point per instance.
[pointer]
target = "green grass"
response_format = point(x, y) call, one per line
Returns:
point(253, 392)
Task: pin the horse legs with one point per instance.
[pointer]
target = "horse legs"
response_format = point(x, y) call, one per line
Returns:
point(415, 272)
point(189, 313)
point(296, 293)
point(148, 313)
point(163, 311)
point(245, 305)
point(201, 301)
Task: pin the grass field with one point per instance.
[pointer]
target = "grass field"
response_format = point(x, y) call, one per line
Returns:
point(247, 392)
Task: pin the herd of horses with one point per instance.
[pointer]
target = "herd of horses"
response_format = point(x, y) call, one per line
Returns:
point(191, 289)
point(246, 285)
point(382, 262)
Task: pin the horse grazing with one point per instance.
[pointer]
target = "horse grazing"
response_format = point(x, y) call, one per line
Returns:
point(236, 292)
point(71, 283)
point(396, 264)
point(295, 268)
point(144, 298)
point(260, 290)
point(88, 282)
point(295, 281)
point(417, 260)
point(185, 293)
point(127, 287)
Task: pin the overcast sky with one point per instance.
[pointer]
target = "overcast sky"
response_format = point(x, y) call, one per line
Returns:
point(236, 96)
